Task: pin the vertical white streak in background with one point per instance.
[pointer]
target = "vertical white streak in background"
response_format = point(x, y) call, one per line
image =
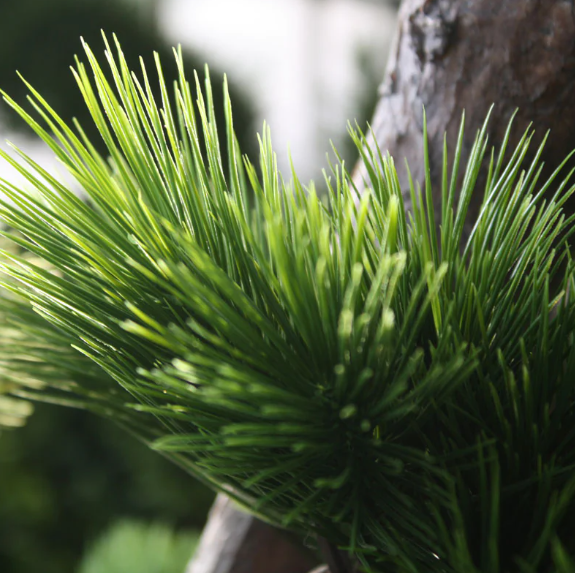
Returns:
point(262, 45)
point(296, 58)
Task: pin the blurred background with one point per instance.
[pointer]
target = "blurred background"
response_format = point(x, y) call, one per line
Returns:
point(76, 494)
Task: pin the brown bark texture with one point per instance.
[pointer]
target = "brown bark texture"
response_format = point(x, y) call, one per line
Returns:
point(456, 55)
point(236, 542)
point(449, 56)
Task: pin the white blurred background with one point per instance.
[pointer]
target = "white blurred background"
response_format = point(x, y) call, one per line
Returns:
point(299, 59)
point(307, 66)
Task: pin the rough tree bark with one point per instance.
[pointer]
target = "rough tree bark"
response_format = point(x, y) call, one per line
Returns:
point(450, 56)
point(456, 55)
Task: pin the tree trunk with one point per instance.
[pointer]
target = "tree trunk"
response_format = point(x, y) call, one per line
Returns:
point(456, 55)
point(236, 542)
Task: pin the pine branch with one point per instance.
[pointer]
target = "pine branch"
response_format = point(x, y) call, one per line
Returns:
point(342, 369)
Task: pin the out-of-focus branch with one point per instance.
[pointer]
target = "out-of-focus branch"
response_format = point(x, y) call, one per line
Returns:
point(236, 542)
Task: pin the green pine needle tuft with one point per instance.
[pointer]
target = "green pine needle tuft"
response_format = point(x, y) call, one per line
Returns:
point(337, 366)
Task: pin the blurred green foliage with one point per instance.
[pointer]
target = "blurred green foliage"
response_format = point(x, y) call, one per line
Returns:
point(67, 475)
point(135, 547)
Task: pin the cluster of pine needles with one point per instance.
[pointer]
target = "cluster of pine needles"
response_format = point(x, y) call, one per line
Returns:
point(337, 365)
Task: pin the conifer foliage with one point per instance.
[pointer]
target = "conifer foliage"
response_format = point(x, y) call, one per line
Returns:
point(338, 366)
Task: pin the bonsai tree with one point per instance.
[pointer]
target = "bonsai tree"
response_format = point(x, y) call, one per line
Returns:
point(340, 366)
